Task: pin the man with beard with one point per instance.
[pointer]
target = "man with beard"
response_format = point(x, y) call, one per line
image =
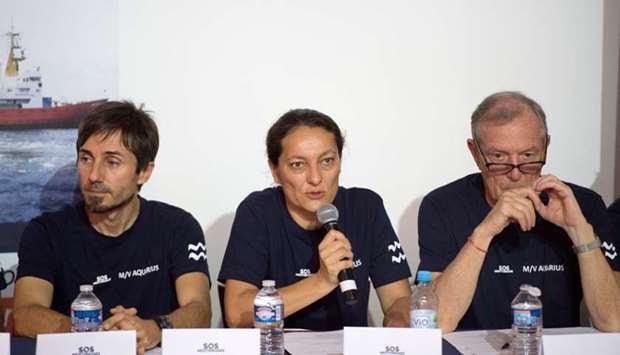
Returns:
point(145, 259)
point(484, 235)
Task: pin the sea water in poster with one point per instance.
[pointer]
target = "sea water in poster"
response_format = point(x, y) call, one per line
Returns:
point(58, 60)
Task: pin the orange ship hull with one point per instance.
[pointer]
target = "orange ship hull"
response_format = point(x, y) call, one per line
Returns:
point(66, 116)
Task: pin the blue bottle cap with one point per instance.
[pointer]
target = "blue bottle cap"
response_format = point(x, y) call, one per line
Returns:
point(424, 276)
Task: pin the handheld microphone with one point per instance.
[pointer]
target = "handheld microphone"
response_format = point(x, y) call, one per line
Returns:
point(327, 215)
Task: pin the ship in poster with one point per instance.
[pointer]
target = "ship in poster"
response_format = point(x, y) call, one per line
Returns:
point(22, 104)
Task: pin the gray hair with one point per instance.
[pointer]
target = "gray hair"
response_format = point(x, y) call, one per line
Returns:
point(503, 107)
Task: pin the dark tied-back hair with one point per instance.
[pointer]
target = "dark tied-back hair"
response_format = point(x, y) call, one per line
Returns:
point(295, 118)
point(138, 130)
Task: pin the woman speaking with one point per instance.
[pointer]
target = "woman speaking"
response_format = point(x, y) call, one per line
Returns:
point(276, 235)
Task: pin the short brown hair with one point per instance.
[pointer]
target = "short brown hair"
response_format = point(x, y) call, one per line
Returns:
point(138, 130)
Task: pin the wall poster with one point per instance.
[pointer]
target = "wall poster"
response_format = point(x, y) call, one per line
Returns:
point(58, 59)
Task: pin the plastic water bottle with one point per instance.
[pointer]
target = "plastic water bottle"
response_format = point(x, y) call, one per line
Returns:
point(268, 317)
point(423, 303)
point(526, 321)
point(86, 311)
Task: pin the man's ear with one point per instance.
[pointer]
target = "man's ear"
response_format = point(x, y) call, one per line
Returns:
point(145, 174)
point(473, 150)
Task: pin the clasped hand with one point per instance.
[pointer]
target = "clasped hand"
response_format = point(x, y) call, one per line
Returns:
point(520, 205)
point(148, 334)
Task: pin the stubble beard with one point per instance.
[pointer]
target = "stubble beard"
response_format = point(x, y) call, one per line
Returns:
point(94, 204)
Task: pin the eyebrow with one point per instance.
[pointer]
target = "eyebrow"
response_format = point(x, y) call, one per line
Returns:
point(107, 152)
point(331, 151)
point(532, 148)
point(113, 153)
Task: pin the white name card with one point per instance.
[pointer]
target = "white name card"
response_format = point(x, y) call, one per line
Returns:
point(210, 341)
point(391, 341)
point(5, 344)
point(88, 343)
point(579, 344)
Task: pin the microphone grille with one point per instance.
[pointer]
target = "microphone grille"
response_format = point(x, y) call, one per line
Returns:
point(327, 213)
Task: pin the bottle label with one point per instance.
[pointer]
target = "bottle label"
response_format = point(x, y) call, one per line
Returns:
point(268, 313)
point(526, 317)
point(423, 318)
point(86, 319)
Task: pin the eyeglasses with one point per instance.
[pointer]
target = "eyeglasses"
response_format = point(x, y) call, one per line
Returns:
point(530, 167)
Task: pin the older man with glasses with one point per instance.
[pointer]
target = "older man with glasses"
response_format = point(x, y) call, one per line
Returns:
point(484, 235)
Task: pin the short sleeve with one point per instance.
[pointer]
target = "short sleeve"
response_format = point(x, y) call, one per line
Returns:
point(247, 257)
point(614, 216)
point(437, 250)
point(614, 208)
point(35, 254)
point(188, 250)
point(598, 217)
point(388, 261)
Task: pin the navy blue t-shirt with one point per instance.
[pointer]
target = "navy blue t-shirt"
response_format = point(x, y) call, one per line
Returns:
point(614, 214)
point(542, 257)
point(136, 269)
point(266, 243)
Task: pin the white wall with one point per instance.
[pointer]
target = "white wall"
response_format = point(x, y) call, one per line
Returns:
point(400, 77)
point(610, 125)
